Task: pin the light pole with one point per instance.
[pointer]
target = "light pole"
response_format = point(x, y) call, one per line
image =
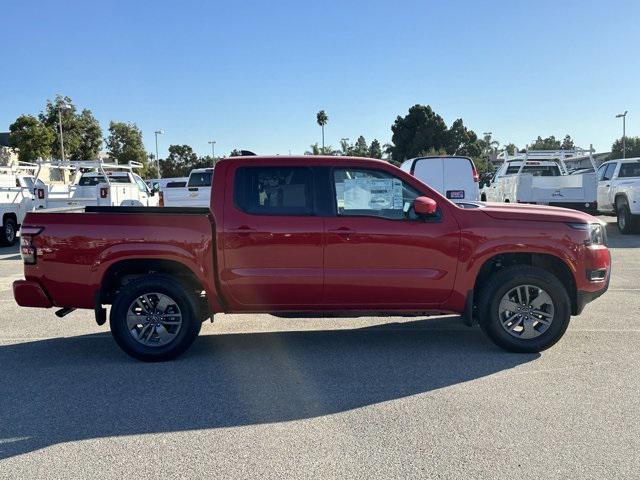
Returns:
point(158, 132)
point(624, 133)
point(213, 149)
point(62, 106)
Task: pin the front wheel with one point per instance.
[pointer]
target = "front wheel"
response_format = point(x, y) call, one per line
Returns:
point(154, 318)
point(524, 309)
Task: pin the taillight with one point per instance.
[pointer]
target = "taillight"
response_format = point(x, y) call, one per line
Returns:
point(161, 199)
point(476, 177)
point(40, 193)
point(104, 192)
point(27, 249)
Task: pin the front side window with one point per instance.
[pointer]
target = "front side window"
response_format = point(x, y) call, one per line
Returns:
point(141, 185)
point(274, 190)
point(606, 172)
point(375, 193)
point(629, 170)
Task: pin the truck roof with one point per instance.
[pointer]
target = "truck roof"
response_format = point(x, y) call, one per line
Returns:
point(306, 160)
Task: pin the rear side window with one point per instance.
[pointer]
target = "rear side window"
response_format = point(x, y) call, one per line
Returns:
point(201, 179)
point(274, 190)
point(629, 170)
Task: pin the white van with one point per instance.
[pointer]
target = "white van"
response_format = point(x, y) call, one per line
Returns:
point(454, 177)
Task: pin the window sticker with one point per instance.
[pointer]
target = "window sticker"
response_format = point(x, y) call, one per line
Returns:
point(371, 194)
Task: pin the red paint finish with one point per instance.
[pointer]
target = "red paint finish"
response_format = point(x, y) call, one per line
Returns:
point(322, 262)
point(30, 294)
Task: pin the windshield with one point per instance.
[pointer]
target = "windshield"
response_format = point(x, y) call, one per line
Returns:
point(201, 179)
point(535, 170)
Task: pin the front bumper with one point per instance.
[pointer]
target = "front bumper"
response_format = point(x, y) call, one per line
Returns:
point(583, 297)
point(30, 294)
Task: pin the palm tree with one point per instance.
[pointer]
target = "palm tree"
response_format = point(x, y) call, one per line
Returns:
point(322, 120)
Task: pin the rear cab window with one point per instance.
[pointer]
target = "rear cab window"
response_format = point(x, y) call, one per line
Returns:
point(274, 190)
point(629, 170)
point(535, 170)
point(200, 179)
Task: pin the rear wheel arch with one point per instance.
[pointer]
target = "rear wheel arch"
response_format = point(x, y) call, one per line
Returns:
point(122, 272)
point(550, 263)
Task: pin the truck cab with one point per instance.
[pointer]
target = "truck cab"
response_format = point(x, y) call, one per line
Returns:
point(619, 192)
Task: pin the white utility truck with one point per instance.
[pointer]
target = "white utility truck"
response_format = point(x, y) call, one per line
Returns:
point(197, 193)
point(619, 192)
point(97, 183)
point(17, 185)
point(541, 177)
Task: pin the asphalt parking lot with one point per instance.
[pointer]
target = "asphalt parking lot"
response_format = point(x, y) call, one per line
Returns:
point(260, 397)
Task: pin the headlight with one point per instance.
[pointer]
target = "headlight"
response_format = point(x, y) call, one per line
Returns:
point(596, 233)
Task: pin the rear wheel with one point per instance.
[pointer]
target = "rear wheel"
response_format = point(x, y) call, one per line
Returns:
point(626, 221)
point(524, 309)
point(9, 233)
point(154, 318)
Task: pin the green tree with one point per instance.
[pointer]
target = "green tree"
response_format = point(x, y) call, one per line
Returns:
point(462, 141)
point(360, 148)
point(81, 132)
point(375, 150)
point(318, 150)
point(567, 143)
point(632, 148)
point(322, 118)
point(32, 139)
point(124, 144)
point(420, 130)
point(235, 153)
point(179, 162)
point(511, 148)
point(549, 143)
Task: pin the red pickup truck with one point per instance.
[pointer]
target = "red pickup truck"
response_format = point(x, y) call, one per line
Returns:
point(296, 236)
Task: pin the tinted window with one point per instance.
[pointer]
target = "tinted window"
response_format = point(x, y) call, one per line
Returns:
point(372, 193)
point(176, 184)
point(536, 170)
point(606, 172)
point(90, 181)
point(274, 190)
point(201, 179)
point(629, 170)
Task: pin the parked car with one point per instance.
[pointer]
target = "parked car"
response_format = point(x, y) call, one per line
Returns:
point(619, 192)
point(300, 236)
point(541, 178)
point(16, 199)
point(454, 177)
point(197, 193)
point(98, 183)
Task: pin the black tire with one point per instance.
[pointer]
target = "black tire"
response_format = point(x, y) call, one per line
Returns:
point(626, 221)
point(8, 235)
point(166, 285)
point(504, 281)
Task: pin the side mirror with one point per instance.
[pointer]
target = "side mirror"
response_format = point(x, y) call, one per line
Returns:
point(425, 206)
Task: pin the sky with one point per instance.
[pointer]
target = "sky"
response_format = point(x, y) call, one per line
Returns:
point(252, 75)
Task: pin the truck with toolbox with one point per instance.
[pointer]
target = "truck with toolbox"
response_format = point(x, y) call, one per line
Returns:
point(17, 184)
point(308, 236)
point(97, 183)
point(619, 192)
point(541, 177)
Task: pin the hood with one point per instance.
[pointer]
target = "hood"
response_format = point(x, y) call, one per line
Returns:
point(538, 213)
